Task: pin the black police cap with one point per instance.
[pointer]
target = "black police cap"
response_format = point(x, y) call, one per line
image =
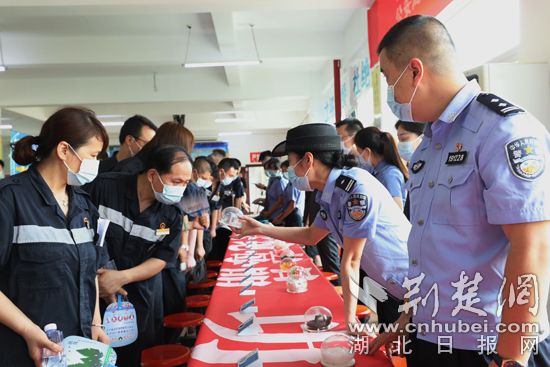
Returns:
point(309, 138)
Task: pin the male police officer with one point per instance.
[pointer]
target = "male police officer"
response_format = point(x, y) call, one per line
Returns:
point(480, 208)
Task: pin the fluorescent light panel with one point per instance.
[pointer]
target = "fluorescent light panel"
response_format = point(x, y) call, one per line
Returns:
point(232, 120)
point(3, 68)
point(221, 63)
point(6, 127)
point(113, 123)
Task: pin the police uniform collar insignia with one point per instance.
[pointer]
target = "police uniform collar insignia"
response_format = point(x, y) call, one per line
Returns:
point(526, 158)
point(498, 105)
point(357, 207)
point(163, 230)
point(345, 183)
point(417, 166)
point(323, 214)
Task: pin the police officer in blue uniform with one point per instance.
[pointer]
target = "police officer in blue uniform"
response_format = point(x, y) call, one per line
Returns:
point(355, 208)
point(274, 192)
point(480, 208)
point(143, 237)
point(378, 152)
point(48, 252)
point(291, 215)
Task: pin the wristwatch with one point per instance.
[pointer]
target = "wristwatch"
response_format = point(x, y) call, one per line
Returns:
point(501, 362)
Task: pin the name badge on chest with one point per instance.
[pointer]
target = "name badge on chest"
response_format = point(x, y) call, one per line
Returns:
point(163, 230)
point(458, 157)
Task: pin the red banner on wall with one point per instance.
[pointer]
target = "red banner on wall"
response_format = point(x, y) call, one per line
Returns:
point(385, 13)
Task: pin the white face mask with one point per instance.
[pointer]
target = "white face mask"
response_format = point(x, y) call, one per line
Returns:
point(228, 180)
point(2, 175)
point(170, 195)
point(203, 183)
point(403, 111)
point(406, 148)
point(86, 174)
point(299, 182)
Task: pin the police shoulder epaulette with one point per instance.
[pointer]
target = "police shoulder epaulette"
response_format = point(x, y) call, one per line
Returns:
point(498, 105)
point(345, 183)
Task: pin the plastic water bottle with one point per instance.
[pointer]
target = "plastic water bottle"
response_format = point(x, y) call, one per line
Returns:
point(49, 358)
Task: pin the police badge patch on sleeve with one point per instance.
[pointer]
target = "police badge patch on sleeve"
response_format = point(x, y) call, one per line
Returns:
point(357, 207)
point(525, 158)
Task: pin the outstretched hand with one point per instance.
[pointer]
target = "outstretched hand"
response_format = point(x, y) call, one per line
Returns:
point(250, 227)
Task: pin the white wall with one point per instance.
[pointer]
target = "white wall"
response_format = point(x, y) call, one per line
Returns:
point(241, 146)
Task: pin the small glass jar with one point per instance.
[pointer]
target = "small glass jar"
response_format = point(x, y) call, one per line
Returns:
point(317, 318)
point(296, 281)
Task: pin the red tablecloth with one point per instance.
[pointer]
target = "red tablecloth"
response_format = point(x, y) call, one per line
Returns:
point(283, 342)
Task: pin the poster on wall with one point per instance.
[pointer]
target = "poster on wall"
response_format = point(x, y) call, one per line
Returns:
point(204, 148)
point(14, 167)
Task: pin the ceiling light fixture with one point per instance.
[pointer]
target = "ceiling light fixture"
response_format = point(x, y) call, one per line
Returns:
point(2, 63)
point(232, 120)
point(6, 127)
point(113, 123)
point(212, 64)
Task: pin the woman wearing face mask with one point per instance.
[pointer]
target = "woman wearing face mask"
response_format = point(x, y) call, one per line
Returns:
point(409, 135)
point(48, 257)
point(274, 192)
point(143, 237)
point(377, 149)
point(291, 215)
point(355, 209)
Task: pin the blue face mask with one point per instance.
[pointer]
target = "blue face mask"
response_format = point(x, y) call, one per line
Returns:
point(365, 164)
point(170, 195)
point(272, 173)
point(299, 182)
point(403, 111)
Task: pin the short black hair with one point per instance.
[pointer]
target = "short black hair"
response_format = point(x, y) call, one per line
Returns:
point(219, 152)
point(419, 36)
point(265, 154)
point(2, 163)
point(272, 163)
point(202, 164)
point(412, 127)
point(164, 157)
point(353, 125)
point(285, 164)
point(237, 162)
point(133, 127)
point(228, 163)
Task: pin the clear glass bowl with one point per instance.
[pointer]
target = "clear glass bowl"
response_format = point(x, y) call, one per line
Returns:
point(337, 351)
point(317, 318)
point(230, 217)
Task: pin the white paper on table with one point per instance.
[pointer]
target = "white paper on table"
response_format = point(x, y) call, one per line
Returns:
point(248, 310)
point(102, 225)
point(248, 292)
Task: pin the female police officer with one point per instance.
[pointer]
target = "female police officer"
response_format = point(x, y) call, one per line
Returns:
point(355, 209)
point(48, 259)
point(144, 235)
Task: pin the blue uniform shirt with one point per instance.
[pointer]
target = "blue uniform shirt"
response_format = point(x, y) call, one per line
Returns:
point(355, 204)
point(291, 194)
point(391, 177)
point(479, 166)
point(274, 191)
point(48, 262)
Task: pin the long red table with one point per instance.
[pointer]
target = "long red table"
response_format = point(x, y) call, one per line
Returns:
point(280, 314)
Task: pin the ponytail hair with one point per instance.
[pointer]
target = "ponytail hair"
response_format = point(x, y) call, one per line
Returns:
point(75, 125)
point(333, 159)
point(383, 144)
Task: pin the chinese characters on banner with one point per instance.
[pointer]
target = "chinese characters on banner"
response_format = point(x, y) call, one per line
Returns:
point(385, 13)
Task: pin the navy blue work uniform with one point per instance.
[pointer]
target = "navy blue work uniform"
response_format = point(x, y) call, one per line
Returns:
point(109, 164)
point(48, 262)
point(225, 197)
point(133, 238)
